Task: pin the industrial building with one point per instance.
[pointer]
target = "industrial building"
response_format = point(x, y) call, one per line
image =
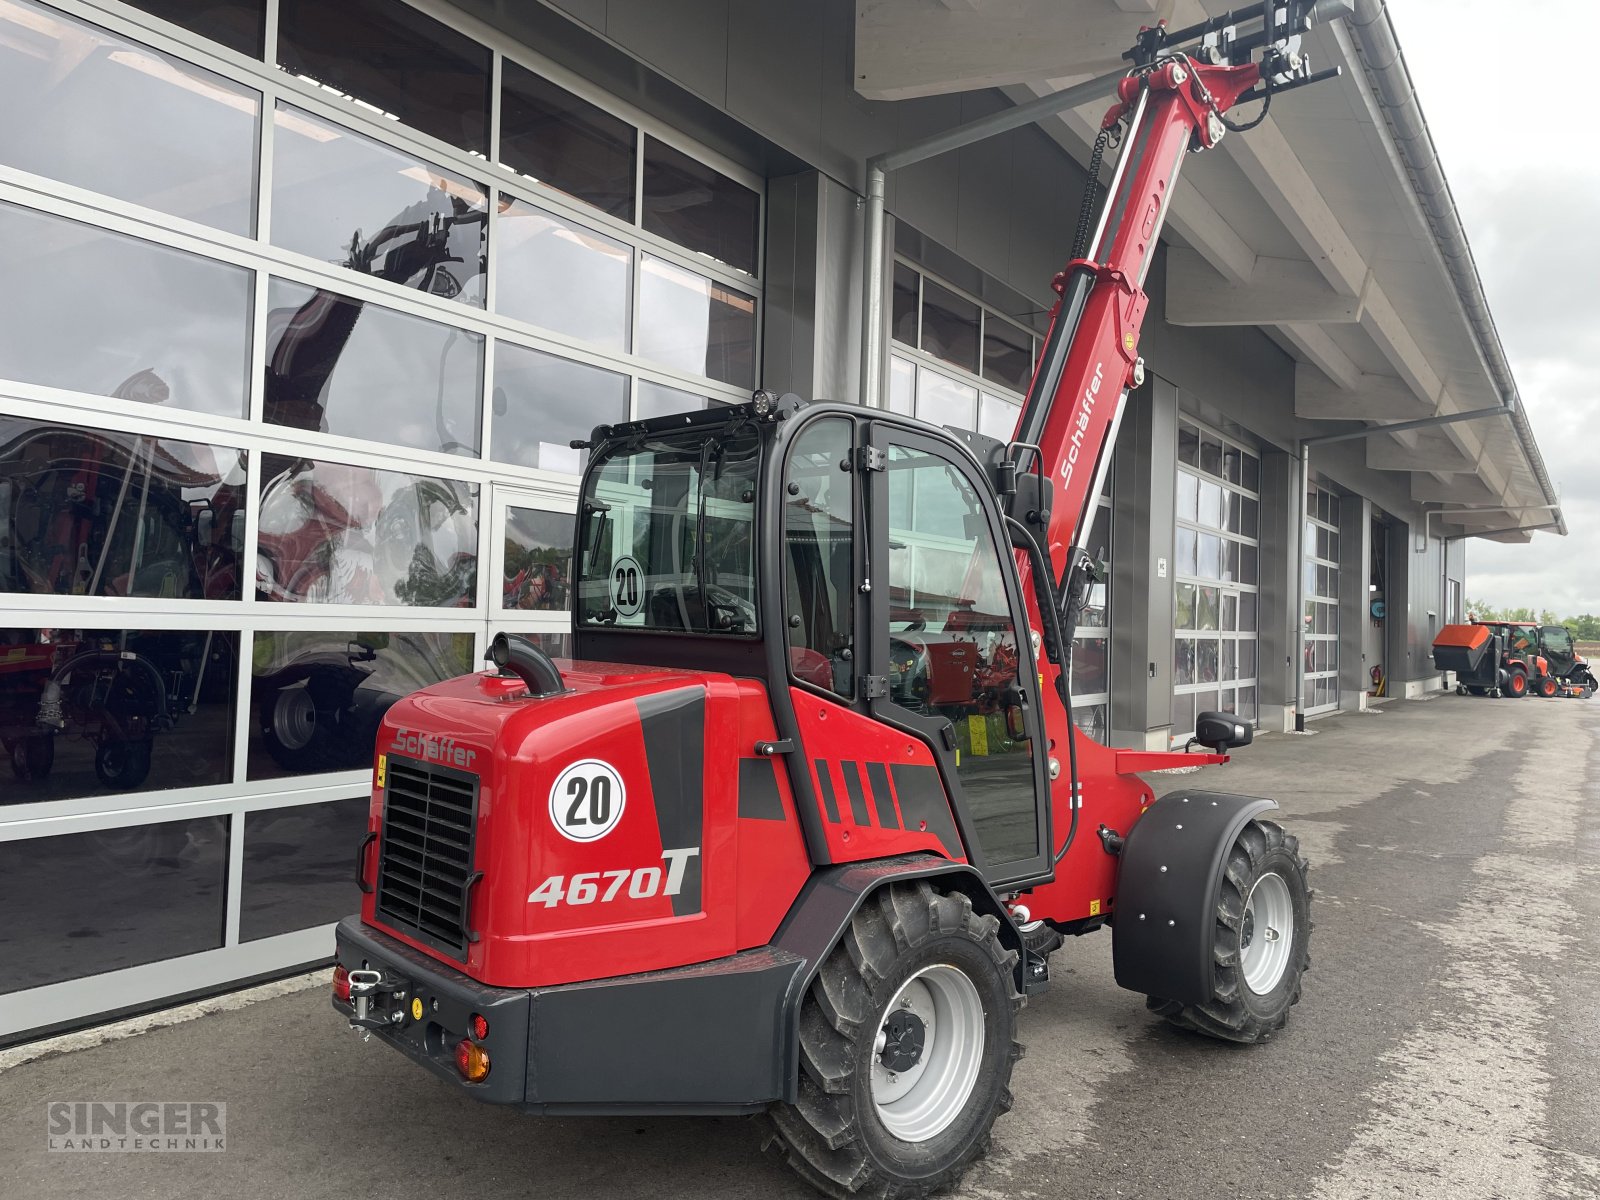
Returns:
point(310, 300)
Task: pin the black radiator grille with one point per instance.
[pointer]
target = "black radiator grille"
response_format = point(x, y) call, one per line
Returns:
point(425, 873)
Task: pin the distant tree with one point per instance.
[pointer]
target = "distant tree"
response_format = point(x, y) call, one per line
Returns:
point(1585, 628)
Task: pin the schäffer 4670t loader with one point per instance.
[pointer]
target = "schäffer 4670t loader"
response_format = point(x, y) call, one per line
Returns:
point(798, 826)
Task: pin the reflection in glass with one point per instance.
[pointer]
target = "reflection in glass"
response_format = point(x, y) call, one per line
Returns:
point(98, 111)
point(394, 58)
point(699, 207)
point(101, 513)
point(1007, 354)
point(949, 326)
point(88, 712)
point(1188, 444)
point(904, 317)
point(689, 322)
point(1206, 609)
point(1184, 617)
point(337, 534)
point(1205, 664)
point(1090, 666)
point(543, 403)
point(81, 904)
point(1188, 496)
point(316, 697)
point(1183, 660)
point(997, 418)
point(297, 866)
point(1183, 711)
point(943, 401)
point(338, 365)
point(1184, 558)
point(352, 201)
point(902, 384)
point(1210, 454)
point(659, 400)
point(94, 311)
point(538, 560)
point(559, 275)
point(551, 135)
point(237, 24)
point(819, 512)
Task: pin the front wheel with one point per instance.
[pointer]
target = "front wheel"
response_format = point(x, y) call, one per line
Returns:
point(906, 1049)
point(1547, 686)
point(1263, 941)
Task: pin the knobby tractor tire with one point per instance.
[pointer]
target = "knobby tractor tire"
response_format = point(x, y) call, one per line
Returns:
point(1236, 1011)
point(837, 1134)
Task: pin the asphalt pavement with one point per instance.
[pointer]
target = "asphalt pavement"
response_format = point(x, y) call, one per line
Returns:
point(1448, 1044)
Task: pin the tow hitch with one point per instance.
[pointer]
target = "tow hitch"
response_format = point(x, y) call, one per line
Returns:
point(368, 986)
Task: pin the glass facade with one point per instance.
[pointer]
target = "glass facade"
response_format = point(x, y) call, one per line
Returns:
point(1321, 617)
point(337, 315)
point(1217, 577)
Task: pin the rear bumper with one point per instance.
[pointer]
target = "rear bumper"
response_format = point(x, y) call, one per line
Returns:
point(709, 1038)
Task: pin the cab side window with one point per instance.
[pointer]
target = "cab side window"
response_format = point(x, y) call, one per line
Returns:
point(819, 554)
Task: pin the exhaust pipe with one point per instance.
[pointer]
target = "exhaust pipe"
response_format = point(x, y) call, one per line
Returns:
point(516, 655)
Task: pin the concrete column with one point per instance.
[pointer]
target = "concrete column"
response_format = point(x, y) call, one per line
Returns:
point(1144, 480)
point(1397, 650)
point(811, 331)
point(1355, 557)
point(1277, 620)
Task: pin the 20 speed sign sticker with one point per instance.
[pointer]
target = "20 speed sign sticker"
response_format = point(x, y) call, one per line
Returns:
point(586, 800)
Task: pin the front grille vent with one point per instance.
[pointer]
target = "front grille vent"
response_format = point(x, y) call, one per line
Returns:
point(425, 873)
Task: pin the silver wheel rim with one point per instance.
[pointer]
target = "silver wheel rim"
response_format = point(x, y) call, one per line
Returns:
point(1267, 933)
point(921, 1101)
point(294, 719)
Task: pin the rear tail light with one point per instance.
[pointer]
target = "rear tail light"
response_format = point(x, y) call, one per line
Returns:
point(480, 1027)
point(341, 984)
point(472, 1060)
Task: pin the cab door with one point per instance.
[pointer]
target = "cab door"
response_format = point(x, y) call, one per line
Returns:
point(952, 657)
point(1558, 649)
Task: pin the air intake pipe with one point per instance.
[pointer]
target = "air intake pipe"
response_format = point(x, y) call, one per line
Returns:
point(516, 655)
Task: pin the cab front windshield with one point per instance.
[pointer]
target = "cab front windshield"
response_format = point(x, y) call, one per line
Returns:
point(667, 537)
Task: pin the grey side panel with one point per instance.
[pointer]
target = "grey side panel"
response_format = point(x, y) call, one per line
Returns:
point(759, 799)
point(1165, 927)
point(674, 725)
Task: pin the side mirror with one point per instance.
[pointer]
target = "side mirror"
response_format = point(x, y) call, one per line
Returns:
point(1219, 731)
point(1016, 723)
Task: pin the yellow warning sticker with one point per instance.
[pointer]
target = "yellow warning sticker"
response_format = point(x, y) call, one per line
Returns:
point(383, 761)
point(1094, 908)
point(978, 734)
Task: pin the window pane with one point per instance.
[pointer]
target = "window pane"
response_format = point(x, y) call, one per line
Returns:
point(1206, 608)
point(1230, 561)
point(297, 866)
point(1230, 610)
point(819, 526)
point(394, 58)
point(997, 418)
point(1247, 565)
point(1247, 658)
point(337, 534)
point(902, 382)
point(691, 323)
point(562, 276)
point(92, 712)
point(347, 199)
point(1210, 504)
point(1188, 497)
point(943, 401)
point(337, 365)
point(147, 323)
point(699, 207)
point(237, 24)
point(1007, 354)
point(99, 513)
point(92, 109)
point(1182, 716)
point(904, 320)
point(949, 326)
point(1090, 667)
point(1249, 511)
point(1230, 659)
point(543, 403)
point(316, 697)
point(1247, 703)
point(1205, 665)
point(1188, 444)
point(1250, 476)
point(1183, 657)
point(1184, 557)
point(538, 560)
point(1184, 616)
point(659, 400)
point(1210, 556)
point(1247, 612)
point(84, 903)
point(551, 135)
point(1210, 454)
point(1230, 463)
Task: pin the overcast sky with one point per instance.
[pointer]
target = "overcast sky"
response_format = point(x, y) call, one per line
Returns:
point(1510, 116)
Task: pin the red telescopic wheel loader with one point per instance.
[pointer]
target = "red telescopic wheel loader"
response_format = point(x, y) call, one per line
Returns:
point(798, 826)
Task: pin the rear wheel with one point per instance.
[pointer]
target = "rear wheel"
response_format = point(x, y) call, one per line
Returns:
point(1262, 942)
point(1516, 685)
point(906, 1049)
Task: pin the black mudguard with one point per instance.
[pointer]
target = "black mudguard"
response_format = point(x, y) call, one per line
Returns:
point(1164, 931)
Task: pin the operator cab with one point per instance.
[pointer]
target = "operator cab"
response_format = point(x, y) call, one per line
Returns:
point(832, 552)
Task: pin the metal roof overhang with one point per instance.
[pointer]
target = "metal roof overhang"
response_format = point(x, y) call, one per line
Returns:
point(1330, 227)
